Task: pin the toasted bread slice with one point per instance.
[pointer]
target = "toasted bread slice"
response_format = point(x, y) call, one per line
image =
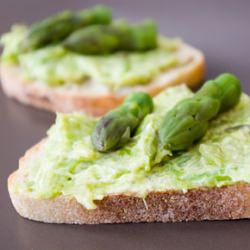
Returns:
point(94, 98)
point(219, 203)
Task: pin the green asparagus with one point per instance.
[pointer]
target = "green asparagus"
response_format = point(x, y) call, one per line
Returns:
point(56, 28)
point(105, 39)
point(118, 126)
point(188, 121)
point(230, 89)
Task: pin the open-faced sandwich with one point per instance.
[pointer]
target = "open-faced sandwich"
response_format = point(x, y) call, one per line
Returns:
point(85, 61)
point(179, 157)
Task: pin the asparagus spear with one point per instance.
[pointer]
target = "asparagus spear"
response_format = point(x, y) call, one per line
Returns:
point(188, 121)
point(117, 127)
point(105, 39)
point(230, 89)
point(57, 28)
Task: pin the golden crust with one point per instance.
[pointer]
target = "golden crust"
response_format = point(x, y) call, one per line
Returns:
point(61, 101)
point(219, 203)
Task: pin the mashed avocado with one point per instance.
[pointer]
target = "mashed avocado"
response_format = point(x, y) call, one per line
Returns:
point(55, 66)
point(69, 165)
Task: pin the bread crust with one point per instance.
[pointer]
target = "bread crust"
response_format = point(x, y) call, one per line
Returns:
point(218, 203)
point(54, 99)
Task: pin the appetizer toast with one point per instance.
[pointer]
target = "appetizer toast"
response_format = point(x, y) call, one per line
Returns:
point(186, 158)
point(64, 77)
point(205, 203)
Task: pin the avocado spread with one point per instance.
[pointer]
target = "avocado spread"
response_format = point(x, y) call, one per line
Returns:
point(68, 164)
point(54, 66)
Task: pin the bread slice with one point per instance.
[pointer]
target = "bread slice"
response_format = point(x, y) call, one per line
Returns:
point(94, 98)
point(219, 203)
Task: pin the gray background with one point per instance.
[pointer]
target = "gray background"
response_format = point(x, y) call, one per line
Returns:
point(221, 29)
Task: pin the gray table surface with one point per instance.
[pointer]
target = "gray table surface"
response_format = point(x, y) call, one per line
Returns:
point(221, 29)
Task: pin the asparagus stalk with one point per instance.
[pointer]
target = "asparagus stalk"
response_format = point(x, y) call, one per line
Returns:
point(118, 126)
point(188, 121)
point(105, 39)
point(56, 28)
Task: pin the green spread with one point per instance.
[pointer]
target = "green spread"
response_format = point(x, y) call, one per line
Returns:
point(54, 66)
point(69, 165)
